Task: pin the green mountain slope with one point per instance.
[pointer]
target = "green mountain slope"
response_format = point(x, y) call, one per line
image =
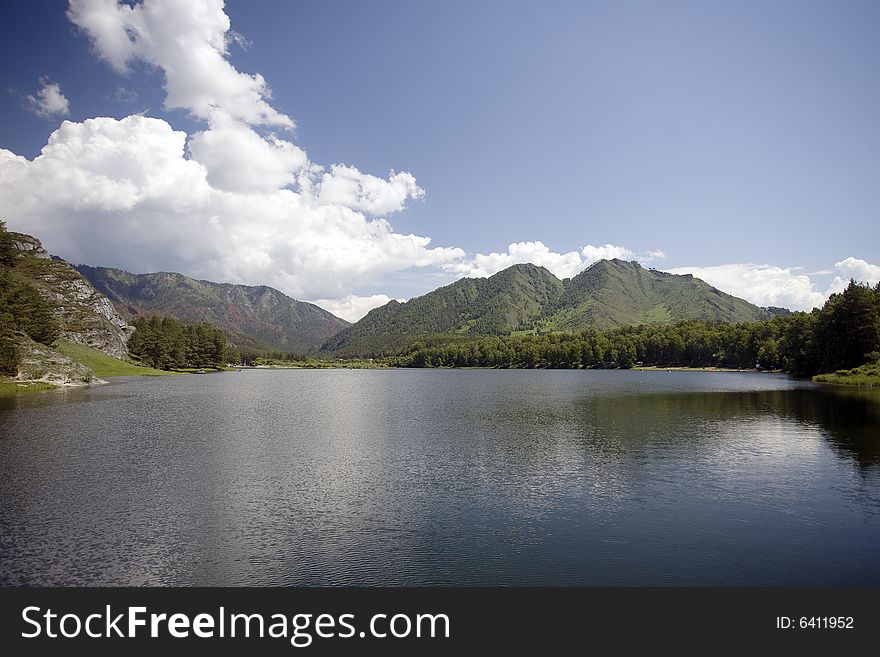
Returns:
point(608, 294)
point(252, 316)
point(612, 293)
point(510, 300)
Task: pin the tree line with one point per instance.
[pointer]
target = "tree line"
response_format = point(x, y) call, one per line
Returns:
point(23, 310)
point(167, 343)
point(843, 334)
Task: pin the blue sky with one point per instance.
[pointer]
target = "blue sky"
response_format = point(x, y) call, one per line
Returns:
point(740, 139)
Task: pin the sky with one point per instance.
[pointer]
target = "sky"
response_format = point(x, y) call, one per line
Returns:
point(348, 153)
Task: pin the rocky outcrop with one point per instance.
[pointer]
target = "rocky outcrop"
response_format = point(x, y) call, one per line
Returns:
point(28, 245)
point(38, 362)
point(86, 316)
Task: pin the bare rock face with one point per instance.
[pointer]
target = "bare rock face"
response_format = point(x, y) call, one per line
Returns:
point(30, 246)
point(40, 363)
point(86, 316)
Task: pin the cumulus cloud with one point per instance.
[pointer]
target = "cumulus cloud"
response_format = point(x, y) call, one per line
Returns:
point(225, 203)
point(49, 102)
point(563, 265)
point(239, 160)
point(351, 307)
point(188, 41)
point(123, 193)
point(853, 268)
point(345, 185)
point(763, 285)
point(769, 285)
point(605, 252)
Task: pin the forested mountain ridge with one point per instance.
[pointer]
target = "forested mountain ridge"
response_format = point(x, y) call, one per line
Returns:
point(608, 294)
point(252, 316)
point(614, 293)
point(510, 300)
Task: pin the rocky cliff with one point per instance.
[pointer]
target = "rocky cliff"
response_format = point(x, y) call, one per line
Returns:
point(85, 315)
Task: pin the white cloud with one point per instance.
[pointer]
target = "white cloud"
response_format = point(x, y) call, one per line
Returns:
point(122, 193)
point(345, 185)
point(858, 269)
point(225, 203)
point(239, 160)
point(853, 268)
point(769, 285)
point(188, 40)
point(605, 252)
point(49, 102)
point(351, 307)
point(562, 265)
point(763, 285)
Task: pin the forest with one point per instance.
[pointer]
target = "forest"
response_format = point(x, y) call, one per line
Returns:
point(167, 343)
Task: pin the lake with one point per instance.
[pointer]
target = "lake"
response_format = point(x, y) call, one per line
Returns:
point(442, 477)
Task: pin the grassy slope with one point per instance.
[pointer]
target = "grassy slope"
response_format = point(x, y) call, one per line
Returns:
point(13, 387)
point(102, 364)
point(866, 375)
point(613, 293)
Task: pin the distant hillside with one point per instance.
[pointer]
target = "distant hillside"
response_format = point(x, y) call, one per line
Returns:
point(258, 317)
point(608, 294)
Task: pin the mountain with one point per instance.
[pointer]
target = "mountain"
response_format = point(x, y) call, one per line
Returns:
point(608, 294)
point(612, 293)
point(258, 317)
point(510, 300)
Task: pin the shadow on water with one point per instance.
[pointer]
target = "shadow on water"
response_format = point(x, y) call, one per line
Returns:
point(849, 420)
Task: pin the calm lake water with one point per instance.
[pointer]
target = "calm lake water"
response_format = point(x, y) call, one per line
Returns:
point(423, 477)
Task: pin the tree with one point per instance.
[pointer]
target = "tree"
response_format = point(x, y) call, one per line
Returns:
point(7, 255)
point(168, 343)
point(768, 355)
point(848, 328)
point(8, 346)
